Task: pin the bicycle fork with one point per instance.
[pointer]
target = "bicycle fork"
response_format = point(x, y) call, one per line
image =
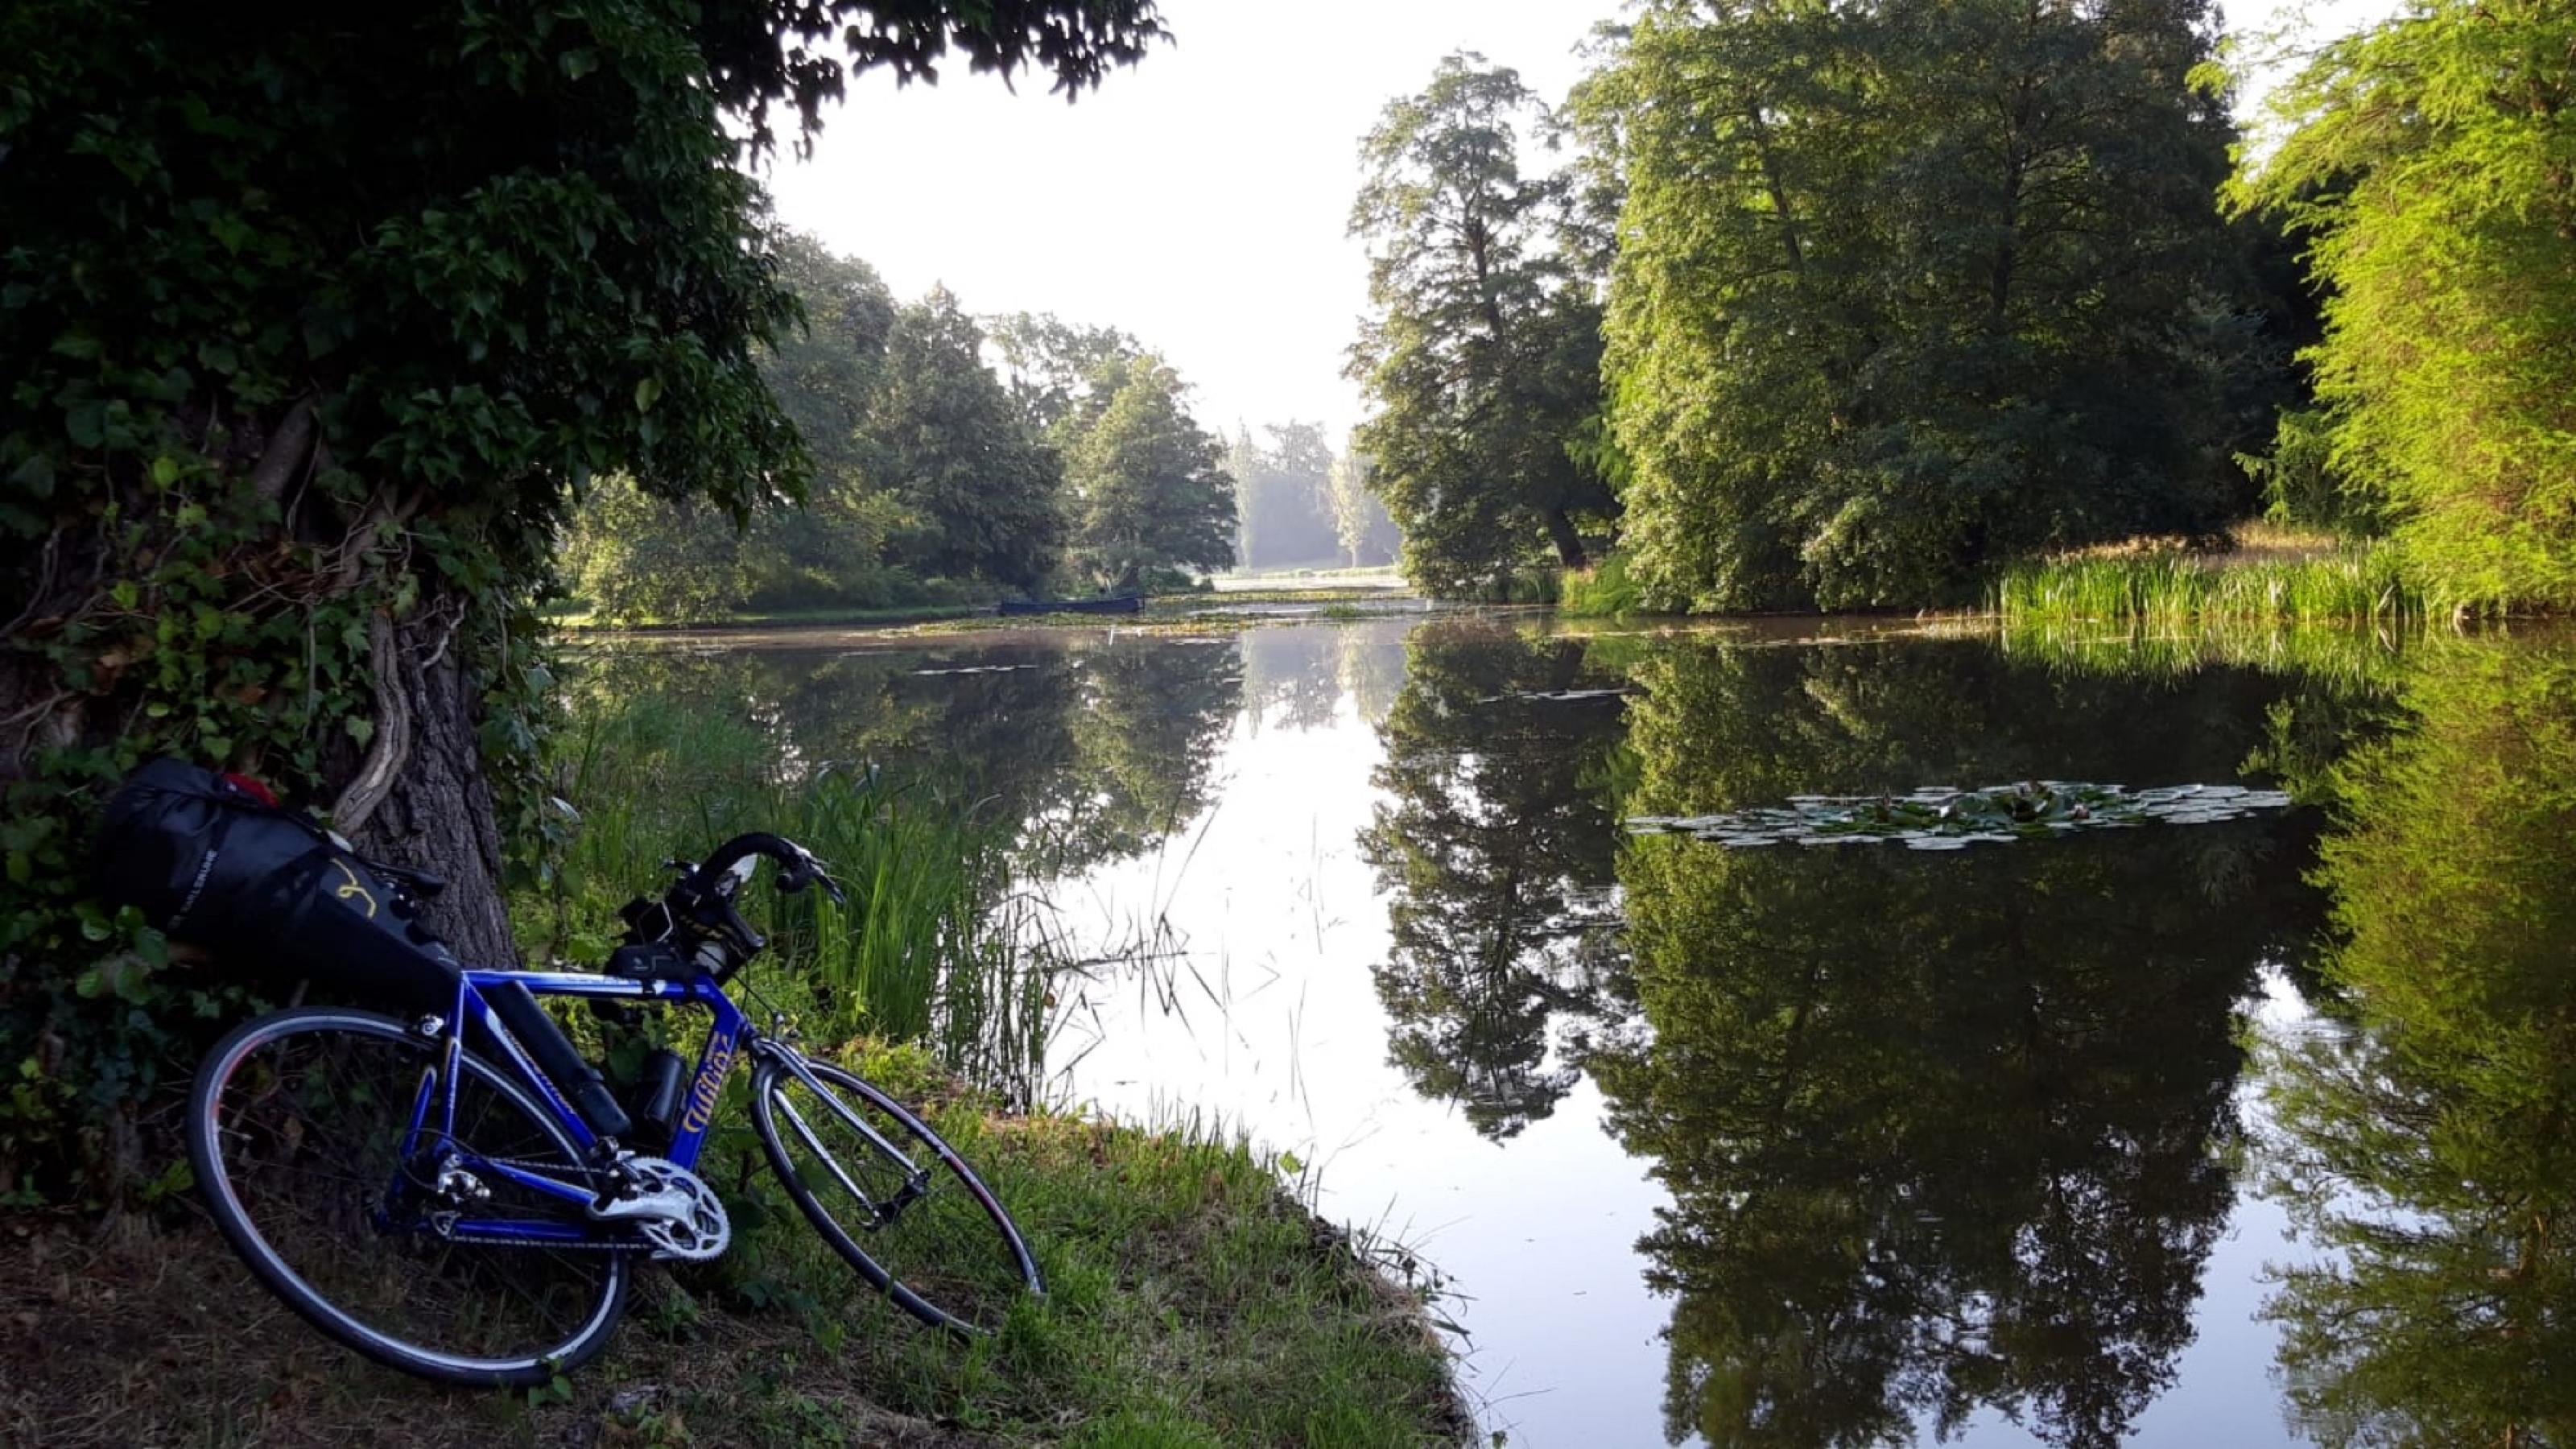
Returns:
point(916, 1179)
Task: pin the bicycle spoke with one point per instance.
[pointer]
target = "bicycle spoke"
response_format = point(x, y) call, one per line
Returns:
point(310, 1153)
point(916, 1230)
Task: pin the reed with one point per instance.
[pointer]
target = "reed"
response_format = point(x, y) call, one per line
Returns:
point(2357, 584)
point(1603, 591)
point(935, 944)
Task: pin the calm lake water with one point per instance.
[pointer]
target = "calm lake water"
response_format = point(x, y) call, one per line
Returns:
point(1843, 1144)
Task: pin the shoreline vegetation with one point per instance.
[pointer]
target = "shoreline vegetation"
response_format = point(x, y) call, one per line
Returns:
point(1194, 1297)
point(2264, 574)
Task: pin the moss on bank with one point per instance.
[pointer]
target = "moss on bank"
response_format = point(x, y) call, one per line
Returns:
point(1191, 1301)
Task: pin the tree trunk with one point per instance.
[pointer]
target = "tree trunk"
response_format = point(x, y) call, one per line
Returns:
point(439, 814)
point(434, 808)
point(1569, 544)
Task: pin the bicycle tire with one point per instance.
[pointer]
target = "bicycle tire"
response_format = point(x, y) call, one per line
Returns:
point(229, 1109)
point(956, 1266)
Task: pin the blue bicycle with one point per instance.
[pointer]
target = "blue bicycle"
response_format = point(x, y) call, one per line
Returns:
point(461, 1197)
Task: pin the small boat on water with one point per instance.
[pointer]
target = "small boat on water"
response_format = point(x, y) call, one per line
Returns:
point(1119, 604)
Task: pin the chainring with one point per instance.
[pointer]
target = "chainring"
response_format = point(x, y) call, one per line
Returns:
point(703, 1234)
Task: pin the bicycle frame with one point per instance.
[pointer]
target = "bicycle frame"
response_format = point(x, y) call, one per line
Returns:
point(730, 1037)
point(434, 1111)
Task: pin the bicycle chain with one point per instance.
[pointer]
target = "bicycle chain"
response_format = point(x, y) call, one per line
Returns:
point(590, 1175)
point(583, 1245)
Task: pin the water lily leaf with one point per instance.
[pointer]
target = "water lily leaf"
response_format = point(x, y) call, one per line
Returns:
point(1942, 817)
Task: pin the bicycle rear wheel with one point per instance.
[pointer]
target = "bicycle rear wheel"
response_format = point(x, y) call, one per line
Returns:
point(921, 1226)
point(297, 1129)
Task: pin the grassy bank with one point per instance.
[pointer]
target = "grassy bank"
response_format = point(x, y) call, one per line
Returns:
point(578, 619)
point(1191, 1303)
point(1160, 610)
point(1191, 1300)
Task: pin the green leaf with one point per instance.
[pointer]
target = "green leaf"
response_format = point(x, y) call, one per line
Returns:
point(36, 475)
point(579, 63)
point(165, 471)
point(647, 392)
point(86, 423)
point(360, 728)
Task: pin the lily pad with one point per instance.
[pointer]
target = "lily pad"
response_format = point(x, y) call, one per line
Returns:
point(1560, 696)
point(1939, 817)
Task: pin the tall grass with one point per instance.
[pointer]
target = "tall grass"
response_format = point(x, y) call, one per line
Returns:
point(1603, 591)
point(2358, 584)
point(934, 946)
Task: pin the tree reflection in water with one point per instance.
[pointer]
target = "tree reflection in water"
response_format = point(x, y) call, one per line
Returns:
point(1494, 852)
point(1090, 750)
point(1943, 1132)
point(2426, 1138)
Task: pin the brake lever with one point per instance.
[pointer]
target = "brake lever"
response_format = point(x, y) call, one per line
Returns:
point(809, 872)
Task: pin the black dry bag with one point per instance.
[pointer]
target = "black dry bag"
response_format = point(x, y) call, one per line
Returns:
point(211, 863)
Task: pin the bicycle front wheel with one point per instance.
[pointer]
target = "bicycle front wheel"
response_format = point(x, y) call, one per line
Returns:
point(890, 1196)
point(301, 1130)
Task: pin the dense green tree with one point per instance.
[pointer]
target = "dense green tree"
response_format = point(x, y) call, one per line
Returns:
point(1149, 497)
point(1055, 367)
point(1242, 460)
point(1907, 288)
point(1493, 850)
point(825, 375)
point(638, 558)
point(961, 455)
point(2426, 1143)
point(1482, 352)
point(307, 334)
point(2426, 163)
point(634, 556)
point(1361, 524)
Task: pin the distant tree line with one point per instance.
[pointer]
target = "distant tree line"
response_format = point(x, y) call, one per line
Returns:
point(953, 459)
point(1302, 504)
point(1849, 305)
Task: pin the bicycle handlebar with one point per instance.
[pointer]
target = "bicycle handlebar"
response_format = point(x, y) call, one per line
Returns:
point(797, 867)
point(704, 894)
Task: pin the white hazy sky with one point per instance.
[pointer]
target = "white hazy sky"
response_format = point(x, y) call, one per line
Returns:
point(1197, 199)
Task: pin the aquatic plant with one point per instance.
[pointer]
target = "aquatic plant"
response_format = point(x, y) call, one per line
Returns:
point(2361, 582)
point(1939, 817)
point(937, 944)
